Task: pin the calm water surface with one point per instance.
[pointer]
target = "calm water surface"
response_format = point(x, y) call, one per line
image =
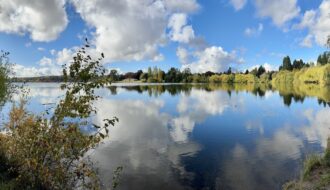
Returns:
point(202, 137)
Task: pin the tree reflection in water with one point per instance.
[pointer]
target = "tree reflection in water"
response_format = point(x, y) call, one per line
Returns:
point(289, 93)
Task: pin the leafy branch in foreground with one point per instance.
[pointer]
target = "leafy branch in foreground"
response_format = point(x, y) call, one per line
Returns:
point(52, 153)
point(5, 71)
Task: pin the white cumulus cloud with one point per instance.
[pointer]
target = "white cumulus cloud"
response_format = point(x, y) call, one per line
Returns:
point(212, 58)
point(238, 4)
point(45, 61)
point(254, 31)
point(317, 23)
point(25, 71)
point(187, 6)
point(307, 20)
point(41, 49)
point(42, 20)
point(307, 41)
point(47, 66)
point(180, 31)
point(280, 11)
point(267, 66)
point(65, 55)
point(183, 55)
point(131, 29)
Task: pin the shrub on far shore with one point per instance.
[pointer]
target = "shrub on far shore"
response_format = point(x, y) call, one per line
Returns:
point(317, 75)
point(232, 78)
point(248, 78)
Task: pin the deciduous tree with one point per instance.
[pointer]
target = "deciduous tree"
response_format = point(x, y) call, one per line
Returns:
point(52, 153)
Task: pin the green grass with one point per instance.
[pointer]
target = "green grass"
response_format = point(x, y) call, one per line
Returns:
point(315, 175)
point(311, 163)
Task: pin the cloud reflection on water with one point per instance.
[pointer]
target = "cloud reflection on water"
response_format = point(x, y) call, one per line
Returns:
point(154, 138)
point(142, 143)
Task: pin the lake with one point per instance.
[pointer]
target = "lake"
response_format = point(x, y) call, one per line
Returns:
point(203, 136)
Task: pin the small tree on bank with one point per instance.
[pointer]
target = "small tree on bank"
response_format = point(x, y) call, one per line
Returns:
point(52, 153)
point(5, 71)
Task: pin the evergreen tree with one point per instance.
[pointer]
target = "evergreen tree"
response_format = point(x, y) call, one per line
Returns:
point(319, 59)
point(323, 58)
point(261, 70)
point(280, 68)
point(229, 71)
point(138, 74)
point(287, 63)
point(298, 64)
point(295, 64)
point(254, 71)
point(209, 73)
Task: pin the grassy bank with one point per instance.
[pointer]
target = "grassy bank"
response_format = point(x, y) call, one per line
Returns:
point(312, 75)
point(307, 82)
point(319, 75)
point(315, 175)
point(240, 78)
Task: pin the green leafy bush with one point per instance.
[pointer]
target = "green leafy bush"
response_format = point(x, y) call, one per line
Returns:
point(248, 78)
point(318, 75)
point(52, 153)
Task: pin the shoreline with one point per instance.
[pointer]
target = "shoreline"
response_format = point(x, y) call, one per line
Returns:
point(315, 174)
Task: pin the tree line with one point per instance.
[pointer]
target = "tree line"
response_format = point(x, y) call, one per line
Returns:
point(298, 64)
point(322, 59)
point(175, 75)
point(289, 66)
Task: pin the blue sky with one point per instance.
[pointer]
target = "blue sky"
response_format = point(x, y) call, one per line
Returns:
point(135, 34)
